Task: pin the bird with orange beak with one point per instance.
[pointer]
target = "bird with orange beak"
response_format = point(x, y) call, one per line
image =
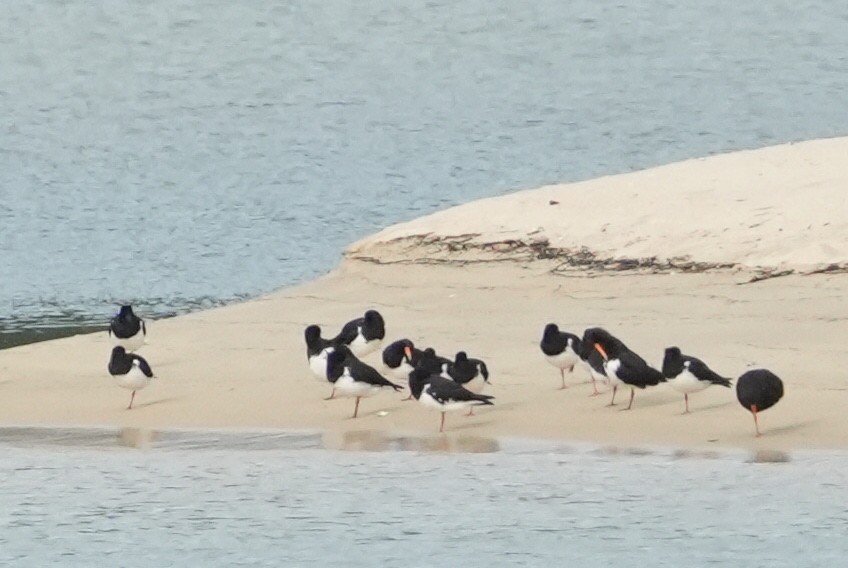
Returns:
point(622, 366)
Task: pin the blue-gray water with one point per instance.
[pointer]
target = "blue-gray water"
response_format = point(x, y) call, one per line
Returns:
point(278, 501)
point(180, 154)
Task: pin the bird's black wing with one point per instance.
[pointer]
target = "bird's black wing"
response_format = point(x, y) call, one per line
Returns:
point(704, 373)
point(636, 372)
point(368, 374)
point(142, 364)
point(445, 390)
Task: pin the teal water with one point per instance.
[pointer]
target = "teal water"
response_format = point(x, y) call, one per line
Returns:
point(280, 500)
point(179, 155)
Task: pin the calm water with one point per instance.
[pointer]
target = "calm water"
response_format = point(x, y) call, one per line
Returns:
point(286, 502)
point(180, 154)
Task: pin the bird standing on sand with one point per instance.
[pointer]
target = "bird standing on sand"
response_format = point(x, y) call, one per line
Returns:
point(401, 357)
point(317, 349)
point(621, 365)
point(127, 329)
point(354, 379)
point(363, 335)
point(758, 390)
point(444, 395)
point(470, 373)
point(562, 350)
point(131, 371)
point(689, 374)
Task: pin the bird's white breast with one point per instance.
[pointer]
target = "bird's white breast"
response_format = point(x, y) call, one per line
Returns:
point(687, 383)
point(135, 379)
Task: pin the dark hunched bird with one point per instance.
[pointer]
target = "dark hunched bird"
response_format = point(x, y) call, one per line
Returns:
point(758, 390)
point(688, 374)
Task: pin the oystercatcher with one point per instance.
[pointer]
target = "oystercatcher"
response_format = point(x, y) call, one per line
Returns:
point(689, 374)
point(758, 390)
point(621, 365)
point(131, 371)
point(444, 395)
point(562, 350)
point(363, 335)
point(127, 329)
point(317, 349)
point(470, 373)
point(354, 379)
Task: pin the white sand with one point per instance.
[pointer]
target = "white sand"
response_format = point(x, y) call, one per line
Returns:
point(782, 206)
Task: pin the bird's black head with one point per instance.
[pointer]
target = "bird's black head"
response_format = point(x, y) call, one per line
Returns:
point(126, 311)
point(602, 341)
point(118, 351)
point(312, 334)
point(461, 357)
point(672, 362)
point(551, 331)
point(375, 324)
point(417, 379)
point(397, 352)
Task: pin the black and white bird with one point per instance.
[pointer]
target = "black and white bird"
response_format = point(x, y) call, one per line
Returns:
point(354, 379)
point(470, 373)
point(562, 350)
point(401, 357)
point(131, 371)
point(127, 329)
point(398, 359)
point(363, 335)
point(317, 350)
point(622, 366)
point(438, 393)
point(758, 390)
point(689, 374)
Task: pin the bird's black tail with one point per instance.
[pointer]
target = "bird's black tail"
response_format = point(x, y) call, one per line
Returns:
point(484, 399)
point(721, 381)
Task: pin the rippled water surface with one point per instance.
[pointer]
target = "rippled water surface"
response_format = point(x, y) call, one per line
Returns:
point(284, 501)
point(185, 153)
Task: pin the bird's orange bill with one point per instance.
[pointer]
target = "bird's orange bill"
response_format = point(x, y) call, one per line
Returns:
point(601, 350)
point(408, 352)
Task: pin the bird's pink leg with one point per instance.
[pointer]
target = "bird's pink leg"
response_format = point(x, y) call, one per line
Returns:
point(632, 394)
point(686, 398)
point(356, 408)
point(756, 422)
point(332, 395)
point(595, 391)
point(132, 397)
point(442, 425)
point(612, 402)
point(562, 375)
